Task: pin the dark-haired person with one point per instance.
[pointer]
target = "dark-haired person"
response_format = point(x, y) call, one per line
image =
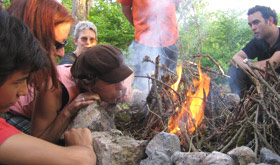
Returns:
point(50, 22)
point(265, 46)
point(21, 56)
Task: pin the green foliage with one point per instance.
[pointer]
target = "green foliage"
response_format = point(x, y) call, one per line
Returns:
point(7, 3)
point(113, 28)
point(226, 35)
point(220, 34)
point(67, 4)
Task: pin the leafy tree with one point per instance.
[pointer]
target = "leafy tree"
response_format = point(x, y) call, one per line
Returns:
point(226, 35)
point(113, 28)
point(220, 34)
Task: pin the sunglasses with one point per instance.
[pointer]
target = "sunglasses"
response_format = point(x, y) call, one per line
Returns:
point(59, 45)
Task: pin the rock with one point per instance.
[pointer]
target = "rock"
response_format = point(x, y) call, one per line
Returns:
point(189, 158)
point(267, 156)
point(245, 155)
point(231, 100)
point(156, 158)
point(165, 143)
point(112, 149)
point(94, 117)
point(218, 158)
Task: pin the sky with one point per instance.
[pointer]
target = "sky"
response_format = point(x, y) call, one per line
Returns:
point(242, 5)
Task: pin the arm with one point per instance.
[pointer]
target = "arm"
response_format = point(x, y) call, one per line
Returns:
point(47, 122)
point(25, 149)
point(238, 58)
point(127, 11)
point(275, 59)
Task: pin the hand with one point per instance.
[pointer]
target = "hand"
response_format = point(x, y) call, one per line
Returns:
point(261, 65)
point(78, 136)
point(82, 100)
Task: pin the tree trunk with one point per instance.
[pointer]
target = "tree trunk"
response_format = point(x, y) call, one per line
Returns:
point(81, 9)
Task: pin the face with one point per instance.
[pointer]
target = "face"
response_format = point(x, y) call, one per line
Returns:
point(87, 38)
point(110, 93)
point(15, 86)
point(61, 32)
point(259, 25)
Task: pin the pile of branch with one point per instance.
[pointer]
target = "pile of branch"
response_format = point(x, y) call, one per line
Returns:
point(252, 122)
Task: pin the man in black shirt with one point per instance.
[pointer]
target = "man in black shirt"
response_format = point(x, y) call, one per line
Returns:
point(265, 46)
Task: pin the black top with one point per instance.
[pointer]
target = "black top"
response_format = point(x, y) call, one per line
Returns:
point(69, 58)
point(260, 49)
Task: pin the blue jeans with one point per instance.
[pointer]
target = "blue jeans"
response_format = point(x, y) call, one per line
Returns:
point(168, 56)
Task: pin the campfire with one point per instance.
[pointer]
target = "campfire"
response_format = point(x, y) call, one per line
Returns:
point(205, 115)
point(191, 113)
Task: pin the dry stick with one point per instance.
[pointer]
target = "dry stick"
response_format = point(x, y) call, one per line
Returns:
point(163, 66)
point(273, 71)
point(156, 115)
point(162, 84)
point(252, 78)
point(187, 137)
point(255, 134)
point(267, 111)
point(155, 85)
point(211, 58)
point(263, 138)
point(265, 83)
point(207, 69)
point(237, 134)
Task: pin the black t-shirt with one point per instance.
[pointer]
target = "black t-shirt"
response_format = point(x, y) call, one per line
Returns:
point(260, 49)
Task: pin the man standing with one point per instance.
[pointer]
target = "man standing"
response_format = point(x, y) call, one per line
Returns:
point(265, 46)
point(85, 36)
point(156, 33)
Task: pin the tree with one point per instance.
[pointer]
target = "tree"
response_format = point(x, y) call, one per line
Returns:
point(81, 9)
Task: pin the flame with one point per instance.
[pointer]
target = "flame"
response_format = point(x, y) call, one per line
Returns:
point(190, 115)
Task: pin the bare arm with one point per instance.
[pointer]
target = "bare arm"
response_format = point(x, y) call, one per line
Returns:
point(127, 11)
point(47, 122)
point(238, 58)
point(275, 59)
point(25, 149)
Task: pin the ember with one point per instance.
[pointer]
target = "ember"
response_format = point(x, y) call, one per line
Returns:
point(192, 111)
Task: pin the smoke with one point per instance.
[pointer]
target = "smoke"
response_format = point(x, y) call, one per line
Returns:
point(155, 14)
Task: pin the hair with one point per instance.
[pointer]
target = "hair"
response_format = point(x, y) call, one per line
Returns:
point(266, 12)
point(19, 49)
point(41, 16)
point(82, 25)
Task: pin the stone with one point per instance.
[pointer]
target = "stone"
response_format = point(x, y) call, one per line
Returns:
point(114, 149)
point(267, 156)
point(94, 117)
point(189, 158)
point(165, 143)
point(218, 158)
point(245, 155)
point(156, 158)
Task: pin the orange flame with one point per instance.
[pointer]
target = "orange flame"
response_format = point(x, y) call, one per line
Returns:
point(190, 115)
